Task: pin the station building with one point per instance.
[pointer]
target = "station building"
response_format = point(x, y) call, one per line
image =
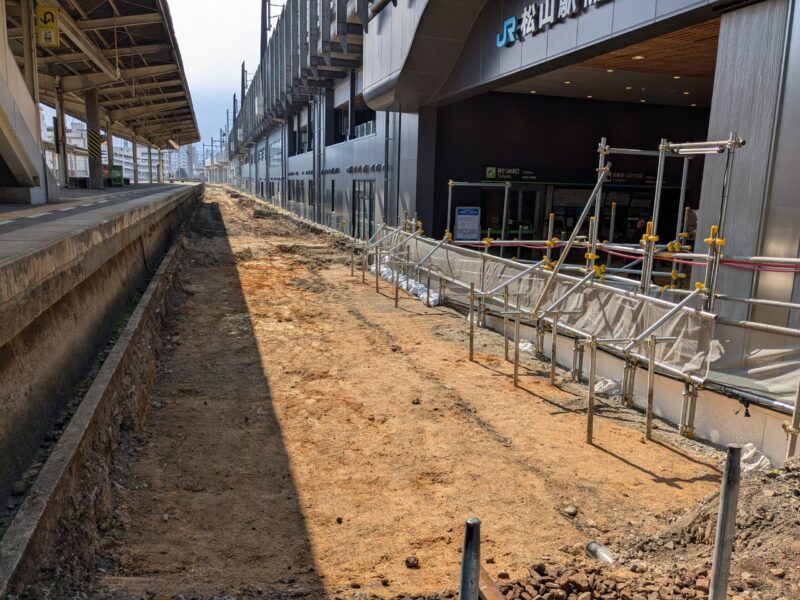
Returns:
point(360, 113)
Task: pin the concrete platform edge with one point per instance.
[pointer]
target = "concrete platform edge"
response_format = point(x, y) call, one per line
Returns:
point(33, 528)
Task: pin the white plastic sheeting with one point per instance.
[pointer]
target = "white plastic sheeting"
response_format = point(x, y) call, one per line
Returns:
point(415, 288)
point(764, 363)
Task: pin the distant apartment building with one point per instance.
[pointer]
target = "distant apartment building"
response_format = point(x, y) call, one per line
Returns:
point(175, 161)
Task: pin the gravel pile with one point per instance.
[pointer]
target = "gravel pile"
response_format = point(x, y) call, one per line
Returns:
point(582, 582)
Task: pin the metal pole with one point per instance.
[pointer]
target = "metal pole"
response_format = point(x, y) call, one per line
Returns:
point(428, 290)
point(517, 319)
point(565, 250)
point(505, 215)
point(651, 379)
point(149, 163)
point(63, 172)
point(377, 268)
point(554, 348)
point(794, 426)
point(505, 321)
point(471, 560)
point(726, 524)
point(364, 260)
point(352, 257)
point(663, 319)
point(449, 204)
point(662, 159)
point(471, 322)
point(396, 284)
point(592, 377)
point(135, 150)
point(598, 201)
point(682, 201)
point(611, 229)
point(712, 287)
point(550, 230)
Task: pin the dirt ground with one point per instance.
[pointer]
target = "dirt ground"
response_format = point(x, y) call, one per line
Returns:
point(306, 437)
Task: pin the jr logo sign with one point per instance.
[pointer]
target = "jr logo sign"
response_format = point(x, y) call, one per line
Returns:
point(509, 34)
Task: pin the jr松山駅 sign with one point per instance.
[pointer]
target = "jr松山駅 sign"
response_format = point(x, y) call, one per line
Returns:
point(539, 16)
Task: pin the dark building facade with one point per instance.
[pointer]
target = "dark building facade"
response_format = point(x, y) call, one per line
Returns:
point(361, 112)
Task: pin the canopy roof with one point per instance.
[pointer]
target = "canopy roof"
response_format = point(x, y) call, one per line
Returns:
point(128, 51)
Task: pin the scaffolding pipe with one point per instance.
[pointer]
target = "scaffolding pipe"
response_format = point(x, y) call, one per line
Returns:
point(637, 152)
point(651, 380)
point(662, 151)
point(568, 293)
point(517, 319)
point(505, 322)
point(794, 426)
point(505, 215)
point(611, 229)
point(554, 348)
point(565, 251)
point(759, 301)
point(432, 252)
point(472, 322)
point(516, 277)
point(450, 184)
point(663, 319)
point(682, 200)
point(592, 381)
point(598, 199)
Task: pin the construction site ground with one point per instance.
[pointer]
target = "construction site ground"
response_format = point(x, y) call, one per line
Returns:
point(306, 439)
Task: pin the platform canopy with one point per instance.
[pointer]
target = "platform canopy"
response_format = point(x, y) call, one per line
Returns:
point(129, 52)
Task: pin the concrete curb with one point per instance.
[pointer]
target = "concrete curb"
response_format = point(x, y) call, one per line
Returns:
point(33, 529)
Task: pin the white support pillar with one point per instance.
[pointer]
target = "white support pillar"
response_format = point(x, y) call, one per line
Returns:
point(135, 161)
point(160, 166)
point(149, 163)
point(109, 143)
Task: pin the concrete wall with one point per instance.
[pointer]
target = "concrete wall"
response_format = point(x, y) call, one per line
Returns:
point(23, 175)
point(746, 92)
point(59, 305)
point(780, 217)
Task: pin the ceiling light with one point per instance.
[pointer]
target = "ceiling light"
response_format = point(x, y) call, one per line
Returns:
point(637, 57)
point(685, 93)
point(693, 104)
point(609, 70)
point(676, 76)
point(567, 82)
point(589, 96)
point(533, 91)
point(642, 100)
point(627, 87)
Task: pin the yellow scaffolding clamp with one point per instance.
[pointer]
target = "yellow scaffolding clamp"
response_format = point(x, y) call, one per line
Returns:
point(487, 241)
point(552, 243)
point(448, 235)
point(598, 272)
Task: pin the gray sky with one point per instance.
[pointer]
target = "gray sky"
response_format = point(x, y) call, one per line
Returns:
point(214, 38)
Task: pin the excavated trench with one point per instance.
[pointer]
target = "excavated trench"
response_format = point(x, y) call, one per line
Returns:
point(304, 438)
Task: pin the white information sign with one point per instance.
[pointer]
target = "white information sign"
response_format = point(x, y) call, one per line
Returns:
point(468, 223)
